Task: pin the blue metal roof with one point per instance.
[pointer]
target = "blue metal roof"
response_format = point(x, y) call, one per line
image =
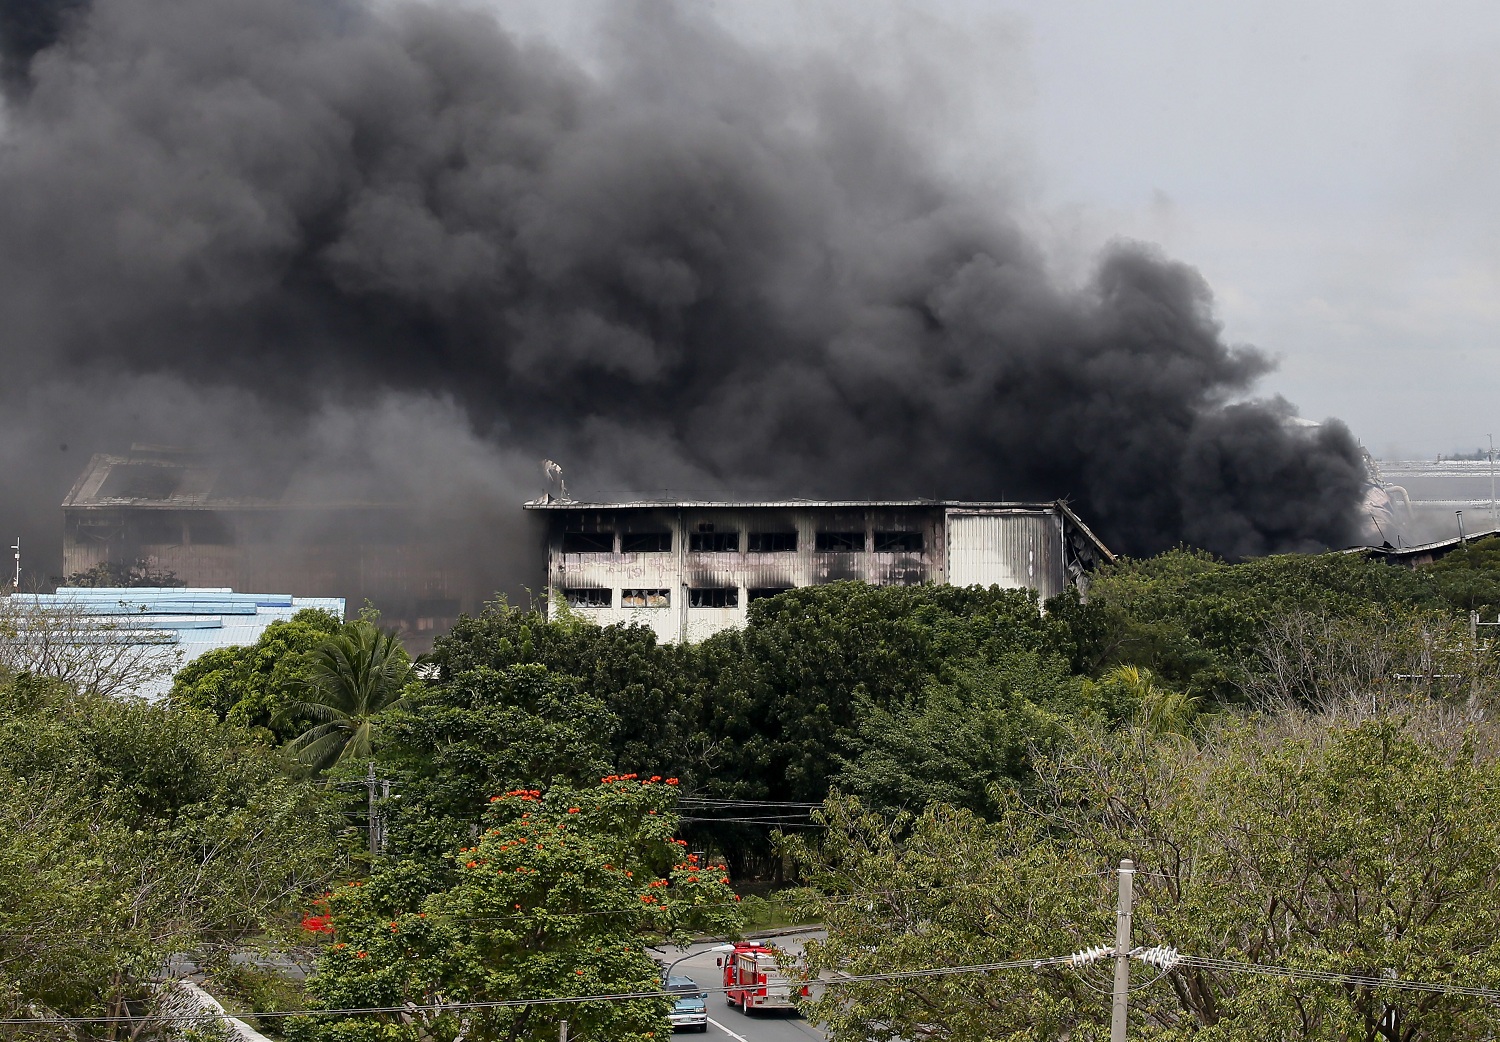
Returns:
point(193, 620)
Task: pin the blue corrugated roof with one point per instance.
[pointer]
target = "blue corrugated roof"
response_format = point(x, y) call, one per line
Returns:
point(195, 620)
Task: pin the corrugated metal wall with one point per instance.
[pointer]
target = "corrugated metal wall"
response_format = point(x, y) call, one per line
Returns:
point(1006, 550)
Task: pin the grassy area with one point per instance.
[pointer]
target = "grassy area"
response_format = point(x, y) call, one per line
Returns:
point(769, 909)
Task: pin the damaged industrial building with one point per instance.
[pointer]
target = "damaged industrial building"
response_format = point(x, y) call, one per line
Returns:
point(213, 525)
point(691, 569)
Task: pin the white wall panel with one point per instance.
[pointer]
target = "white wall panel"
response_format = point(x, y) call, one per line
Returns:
point(1010, 550)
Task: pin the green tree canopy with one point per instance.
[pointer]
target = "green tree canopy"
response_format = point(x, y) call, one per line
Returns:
point(129, 832)
point(1343, 845)
point(484, 730)
point(556, 896)
point(352, 678)
point(252, 686)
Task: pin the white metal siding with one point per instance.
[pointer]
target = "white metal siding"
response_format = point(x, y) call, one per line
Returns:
point(1009, 550)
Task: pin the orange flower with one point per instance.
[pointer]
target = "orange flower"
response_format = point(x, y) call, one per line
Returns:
point(571, 810)
point(359, 955)
point(671, 781)
point(579, 972)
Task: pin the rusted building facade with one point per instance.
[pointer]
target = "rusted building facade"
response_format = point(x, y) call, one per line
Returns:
point(184, 513)
point(689, 570)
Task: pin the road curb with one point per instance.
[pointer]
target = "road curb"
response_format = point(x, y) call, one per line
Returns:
point(762, 935)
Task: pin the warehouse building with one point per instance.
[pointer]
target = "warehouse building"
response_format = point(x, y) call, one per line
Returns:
point(171, 626)
point(214, 526)
point(691, 569)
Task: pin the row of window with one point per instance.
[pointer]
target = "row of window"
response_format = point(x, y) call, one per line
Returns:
point(729, 542)
point(708, 597)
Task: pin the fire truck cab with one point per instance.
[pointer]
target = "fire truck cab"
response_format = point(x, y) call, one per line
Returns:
point(753, 979)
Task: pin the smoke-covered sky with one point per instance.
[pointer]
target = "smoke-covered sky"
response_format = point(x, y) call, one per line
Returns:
point(415, 247)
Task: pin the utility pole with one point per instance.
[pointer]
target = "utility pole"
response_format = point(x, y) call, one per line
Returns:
point(374, 814)
point(562, 1035)
point(1120, 1013)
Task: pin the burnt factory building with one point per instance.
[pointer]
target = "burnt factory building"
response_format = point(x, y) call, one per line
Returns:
point(212, 526)
point(689, 570)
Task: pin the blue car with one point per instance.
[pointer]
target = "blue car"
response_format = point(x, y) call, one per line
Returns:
point(690, 1008)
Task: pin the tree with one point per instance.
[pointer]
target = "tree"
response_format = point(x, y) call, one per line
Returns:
point(70, 642)
point(556, 897)
point(482, 731)
point(353, 678)
point(967, 735)
point(1348, 843)
point(1195, 621)
point(130, 832)
point(252, 686)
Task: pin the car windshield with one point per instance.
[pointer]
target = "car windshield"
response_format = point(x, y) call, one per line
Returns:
point(693, 991)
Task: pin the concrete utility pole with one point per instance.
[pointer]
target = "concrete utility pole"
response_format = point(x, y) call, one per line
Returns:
point(1120, 1013)
point(562, 1035)
point(374, 814)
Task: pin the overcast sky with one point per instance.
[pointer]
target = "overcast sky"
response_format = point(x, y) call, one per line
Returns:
point(1330, 167)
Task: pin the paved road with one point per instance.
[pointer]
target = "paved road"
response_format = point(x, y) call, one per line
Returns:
point(725, 1022)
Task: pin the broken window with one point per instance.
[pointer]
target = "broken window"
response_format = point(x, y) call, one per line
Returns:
point(772, 542)
point(898, 542)
point(588, 542)
point(715, 542)
point(841, 542)
point(644, 599)
point(717, 597)
point(762, 592)
point(588, 597)
point(646, 543)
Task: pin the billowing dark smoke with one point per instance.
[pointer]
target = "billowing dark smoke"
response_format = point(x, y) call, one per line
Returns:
point(331, 230)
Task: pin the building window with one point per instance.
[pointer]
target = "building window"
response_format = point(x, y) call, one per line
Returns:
point(841, 542)
point(646, 543)
point(644, 599)
point(588, 542)
point(721, 597)
point(715, 542)
point(762, 592)
point(772, 542)
point(898, 542)
point(588, 597)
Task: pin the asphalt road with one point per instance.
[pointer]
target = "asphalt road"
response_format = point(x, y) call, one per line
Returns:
point(726, 1022)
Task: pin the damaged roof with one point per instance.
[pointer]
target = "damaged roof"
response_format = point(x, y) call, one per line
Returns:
point(550, 503)
point(150, 477)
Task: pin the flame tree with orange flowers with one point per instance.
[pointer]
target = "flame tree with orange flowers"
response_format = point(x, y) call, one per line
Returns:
point(556, 897)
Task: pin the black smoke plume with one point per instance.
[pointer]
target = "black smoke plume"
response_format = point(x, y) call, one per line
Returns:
point(395, 245)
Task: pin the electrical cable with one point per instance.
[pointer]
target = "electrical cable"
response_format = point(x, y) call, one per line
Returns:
point(448, 1007)
point(1335, 977)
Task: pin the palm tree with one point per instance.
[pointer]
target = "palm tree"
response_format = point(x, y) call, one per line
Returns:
point(354, 677)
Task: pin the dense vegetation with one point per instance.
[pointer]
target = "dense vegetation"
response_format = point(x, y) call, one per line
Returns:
point(957, 738)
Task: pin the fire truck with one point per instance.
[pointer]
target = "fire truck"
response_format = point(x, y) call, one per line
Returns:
point(753, 979)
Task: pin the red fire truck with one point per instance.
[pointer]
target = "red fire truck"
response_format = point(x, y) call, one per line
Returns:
point(753, 980)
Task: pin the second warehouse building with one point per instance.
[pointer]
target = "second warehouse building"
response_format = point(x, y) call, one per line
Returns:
point(690, 569)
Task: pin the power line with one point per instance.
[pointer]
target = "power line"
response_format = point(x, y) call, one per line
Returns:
point(1335, 977)
point(633, 996)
